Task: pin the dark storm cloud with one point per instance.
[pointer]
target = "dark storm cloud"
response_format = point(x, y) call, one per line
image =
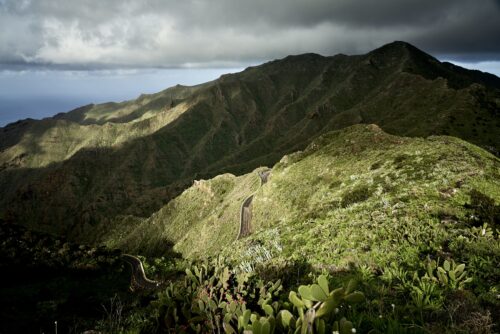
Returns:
point(91, 34)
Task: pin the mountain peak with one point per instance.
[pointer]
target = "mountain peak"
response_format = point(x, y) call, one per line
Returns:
point(413, 60)
point(400, 48)
point(397, 45)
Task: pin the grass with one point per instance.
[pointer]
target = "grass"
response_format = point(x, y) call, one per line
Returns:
point(54, 141)
point(330, 205)
point(205, 215)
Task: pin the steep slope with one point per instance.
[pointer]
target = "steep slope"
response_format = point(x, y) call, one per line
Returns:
point(199, 216)
point(56, 179)
point(411, 224)
point(38, 143)
point(357, 195)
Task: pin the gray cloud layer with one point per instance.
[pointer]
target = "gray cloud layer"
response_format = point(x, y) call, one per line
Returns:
point(190, 33)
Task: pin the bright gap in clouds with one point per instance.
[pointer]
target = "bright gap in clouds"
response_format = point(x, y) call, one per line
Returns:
point(38, 94)
point(492, 67)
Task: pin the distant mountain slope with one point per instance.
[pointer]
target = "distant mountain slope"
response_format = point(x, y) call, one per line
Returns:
point(78, 170)
point(350, 196)
point(39, 143)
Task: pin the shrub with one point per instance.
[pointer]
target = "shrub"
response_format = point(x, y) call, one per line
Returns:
point(356, 195)
point(484, 209)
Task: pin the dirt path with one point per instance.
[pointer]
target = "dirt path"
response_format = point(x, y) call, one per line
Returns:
point(139, 281)
point(246, 207)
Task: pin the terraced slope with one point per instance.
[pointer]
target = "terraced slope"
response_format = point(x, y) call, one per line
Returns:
point(78, 172)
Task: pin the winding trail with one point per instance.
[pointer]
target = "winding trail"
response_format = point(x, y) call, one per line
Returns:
point(246, 207)
point(139, 281)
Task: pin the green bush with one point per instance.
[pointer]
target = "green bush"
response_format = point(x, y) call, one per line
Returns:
point(356, 195)
point(484, 209)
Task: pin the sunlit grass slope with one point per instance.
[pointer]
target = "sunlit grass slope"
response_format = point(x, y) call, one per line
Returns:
point(200, 221)
point(355, 196)
point(94, 126)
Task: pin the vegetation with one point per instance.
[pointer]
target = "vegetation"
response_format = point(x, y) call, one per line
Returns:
point(410, 220)
point(129, 159)
point(357, 230)
point(212, 297)
point(47, 279)
point(199, 216)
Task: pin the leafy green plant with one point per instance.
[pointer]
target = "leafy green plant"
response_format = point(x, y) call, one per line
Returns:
point(212, 298)
point(317, 306)
point(451, 275)
point(427, 291)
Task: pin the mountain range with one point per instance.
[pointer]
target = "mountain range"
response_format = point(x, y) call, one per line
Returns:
point(376, 176)
point(85, 170)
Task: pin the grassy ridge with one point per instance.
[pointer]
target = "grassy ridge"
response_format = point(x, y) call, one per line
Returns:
point(362, 196)
point(356, 195)
point(50, 141)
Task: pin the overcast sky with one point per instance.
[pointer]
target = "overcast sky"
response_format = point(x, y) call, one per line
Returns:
point(122, 38)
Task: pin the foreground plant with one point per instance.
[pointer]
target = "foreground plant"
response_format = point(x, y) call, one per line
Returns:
point(216, 299)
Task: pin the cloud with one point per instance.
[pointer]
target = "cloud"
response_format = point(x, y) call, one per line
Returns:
point(92, 34)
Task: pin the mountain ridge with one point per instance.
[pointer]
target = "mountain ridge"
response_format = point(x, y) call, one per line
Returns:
point(344, 173)
point(232, 124)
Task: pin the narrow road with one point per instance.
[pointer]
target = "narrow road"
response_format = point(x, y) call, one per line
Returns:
point(246, 207)
point(139, 281)
point(264, 175)
point(245, 217)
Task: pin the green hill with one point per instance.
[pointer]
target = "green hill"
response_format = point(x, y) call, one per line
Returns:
point(414, 221)
point(355, 195)
point(79, 171)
